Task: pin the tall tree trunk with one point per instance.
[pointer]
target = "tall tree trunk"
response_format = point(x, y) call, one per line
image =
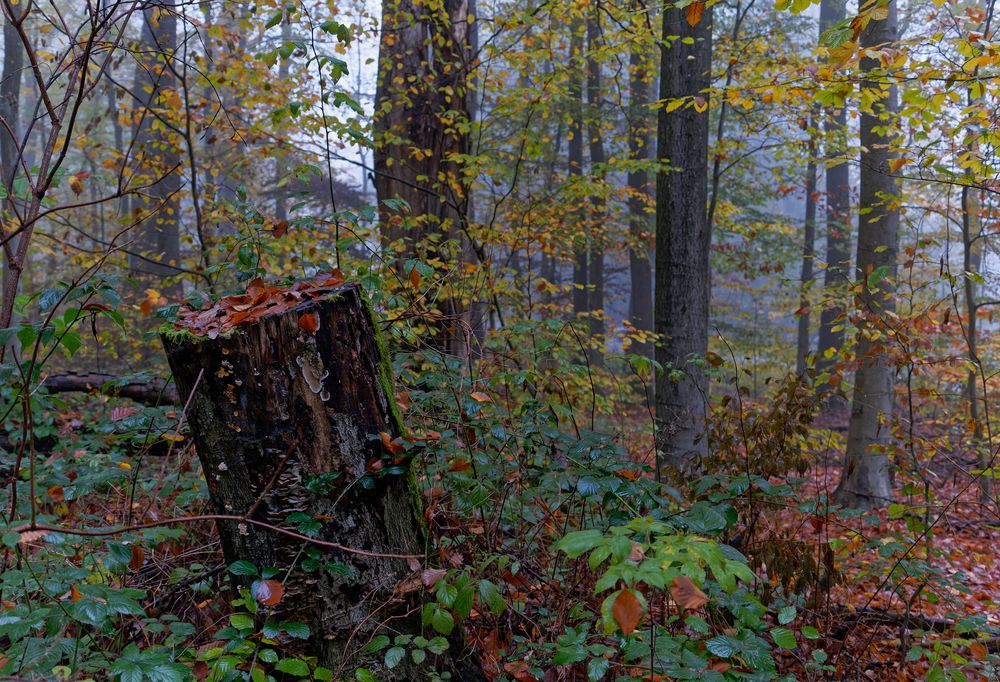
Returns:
point(683, 287)
point(581, 274)
point(288, 422)
point(838, 215)
point(10, 111)
point(158, 206)
point(971, 262)
point(639, 142)
point(808, 254)
point(866, 480)
point(595, 274)
point(421, 103)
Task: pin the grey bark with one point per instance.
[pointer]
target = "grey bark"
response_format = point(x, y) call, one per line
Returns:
point(574, 152)
point(10, 111)
point(866, 480)
point(682, 242)
point(808, 254)
point(158, 207)
point(640, 143)
point(595, 272)
point(838, 215)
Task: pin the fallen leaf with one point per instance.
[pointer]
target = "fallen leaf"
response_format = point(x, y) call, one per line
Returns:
point(481, 397)
point(74, 594)
point(627, 611)
point(430, 576)
point(280, 228)
point(56, 493)
point(394, 447)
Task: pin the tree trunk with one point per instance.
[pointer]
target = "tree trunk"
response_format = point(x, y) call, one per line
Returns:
point(289, 422)
point(838, 216)
point(808, 254)
point(639, 143)
point(581, 274)
point(682, 240)
point(10, 111)
point(158, 206)
point(421, 104)
point(866, 480)
point(595, 274)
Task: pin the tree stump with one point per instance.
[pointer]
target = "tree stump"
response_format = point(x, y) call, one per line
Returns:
point(286, 414)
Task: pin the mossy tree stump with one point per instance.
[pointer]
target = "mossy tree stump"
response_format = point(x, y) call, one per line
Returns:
point(286, 420)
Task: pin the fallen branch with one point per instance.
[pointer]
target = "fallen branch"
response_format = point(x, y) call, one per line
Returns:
point(155, 391)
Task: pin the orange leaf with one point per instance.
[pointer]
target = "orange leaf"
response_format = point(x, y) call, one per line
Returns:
point(627, 611)
point(280, 228)
point(56, 493)
point(268, 592)
point(415, 278)
point(309, 323)
point(138, 557)
point(687, 594)
point(74, 594)
point(896, 164)
point(481, 397)
point(629, 474)
point(978, 651)
point(392, 446)
point(693, 12)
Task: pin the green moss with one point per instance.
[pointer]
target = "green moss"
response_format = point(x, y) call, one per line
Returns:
point(384, 365)
point(168, 331)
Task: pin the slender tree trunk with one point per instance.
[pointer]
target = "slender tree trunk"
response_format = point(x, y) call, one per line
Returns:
point(595, 275)
point(808, 254)
point(10, 111)
point(639, 144)
point(683, 237)
point(289, 422)
point(866, 481)
point(838, 216)
point(158, 207)
point(581, 297)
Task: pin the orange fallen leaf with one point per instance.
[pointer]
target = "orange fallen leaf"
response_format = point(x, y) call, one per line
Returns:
point(394, 447)
point(56, 493)
point(138, 557)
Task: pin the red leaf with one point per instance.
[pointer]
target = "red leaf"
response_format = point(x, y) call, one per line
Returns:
point(56, 493)
point(268, 592)
point(627, 611)
point(309, 323)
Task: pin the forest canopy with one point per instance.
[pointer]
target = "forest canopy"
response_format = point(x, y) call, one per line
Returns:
point(507, 340)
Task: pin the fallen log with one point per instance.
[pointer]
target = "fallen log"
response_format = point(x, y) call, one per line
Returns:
point(155, 391)
point(289, 413)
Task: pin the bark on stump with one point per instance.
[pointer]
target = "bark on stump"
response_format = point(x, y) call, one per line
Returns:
point(272, 408)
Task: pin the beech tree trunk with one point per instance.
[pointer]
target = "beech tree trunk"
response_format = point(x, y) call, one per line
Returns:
point(683, 236)
point(574, 152)
point(595, 275)
point(289, 422)
point(838, 216)
point(639, 143)
point(866, 482)
point(808, 254)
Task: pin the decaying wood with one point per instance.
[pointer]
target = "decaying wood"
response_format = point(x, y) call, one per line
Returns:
point(278, 405)
point(156, 391)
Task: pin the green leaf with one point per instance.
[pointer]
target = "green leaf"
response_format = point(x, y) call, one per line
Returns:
point(576, 543)
point(437, 645)
point(463, 602)
point(597, 668)
point(241, 621)
point(242, 567)
point(296, 629)
point(293, 666)
point(784, 638)
point(442, 621)
point(322, 674)
point(274, 20)
point(723, 646)
point(364, 675)
point(809, 632)
point(490, 595)
point(786, 615)
point(393, 656)
point(378, 643)
point(418, 655)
